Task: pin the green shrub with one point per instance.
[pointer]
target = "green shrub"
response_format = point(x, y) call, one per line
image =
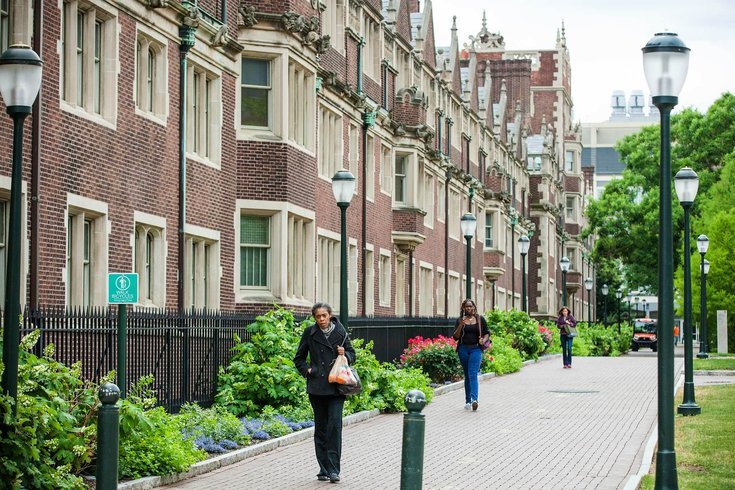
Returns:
point(436, 357)
point(369, 369)
point(216, 423)
point(394, 383)
point(502, 358)
point(522, 329)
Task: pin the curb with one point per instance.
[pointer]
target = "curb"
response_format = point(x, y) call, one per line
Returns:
point(233, 457)
point(715, 372)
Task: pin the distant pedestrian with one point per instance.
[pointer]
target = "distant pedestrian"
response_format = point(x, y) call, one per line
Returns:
point(676, 335)
point(469, 330)
point(565, 322)
point(323, 342)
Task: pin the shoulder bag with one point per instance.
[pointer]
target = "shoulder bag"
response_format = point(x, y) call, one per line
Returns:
point(486, 343)
point(352, 388)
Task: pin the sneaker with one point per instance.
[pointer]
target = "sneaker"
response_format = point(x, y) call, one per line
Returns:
point(467, 406)
point(474, 405)
point(322, 477)
point(334, 478)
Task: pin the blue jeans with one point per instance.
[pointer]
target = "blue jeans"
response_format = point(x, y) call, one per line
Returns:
point(566, 349)
point(470, 357)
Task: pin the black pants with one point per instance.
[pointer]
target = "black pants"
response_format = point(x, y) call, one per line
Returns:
point(327, 431)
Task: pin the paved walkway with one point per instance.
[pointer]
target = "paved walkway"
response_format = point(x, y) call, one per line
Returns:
point(544, 427)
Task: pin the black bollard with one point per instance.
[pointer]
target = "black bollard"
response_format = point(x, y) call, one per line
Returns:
point(412, 454)
point(108, 425)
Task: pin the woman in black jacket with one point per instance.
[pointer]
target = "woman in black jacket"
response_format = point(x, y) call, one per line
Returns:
point(323, 342)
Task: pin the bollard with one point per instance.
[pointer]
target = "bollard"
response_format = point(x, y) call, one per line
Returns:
point(108, 425)
point(412, 454)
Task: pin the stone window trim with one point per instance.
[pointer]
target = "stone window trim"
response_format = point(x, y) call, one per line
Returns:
point(353, 281)
point(426, 289)
point(386, 170)
point(207, 149)
point(333, 23)
point(5, 187)
point(144, 224)
point(278, 126)
point(370, 268)
point(331, 141)
point(385, 275)
point(278, 288)
point(109, 61)
point(440, 274)
point(200, 236)
point(301, 87)
point(80, 208)
point(370, 167)
point(328, 271)
point(151, 42)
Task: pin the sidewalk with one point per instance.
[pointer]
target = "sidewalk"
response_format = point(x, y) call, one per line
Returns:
point(544, 427)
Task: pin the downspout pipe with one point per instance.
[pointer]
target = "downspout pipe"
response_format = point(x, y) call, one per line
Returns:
point(187, 33)
point(448, 176)
point(368, 121)
point(36, 158)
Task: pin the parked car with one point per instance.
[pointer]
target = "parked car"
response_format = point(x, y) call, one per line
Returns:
point(644, 334)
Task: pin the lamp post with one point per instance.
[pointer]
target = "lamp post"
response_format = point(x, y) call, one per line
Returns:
point(343, 188)
point(702, 246)
point(645, 308)
point(564, 263)
point(686, 183)
point(523, 245)
point(665, 64)
point(468, 223)
point(635, 302)
point(513, 223)
point(20, 80)
point(588, 287)
point(618, 295)
point(605, 290)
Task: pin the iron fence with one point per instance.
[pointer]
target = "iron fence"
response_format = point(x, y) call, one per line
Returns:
point(184, 351)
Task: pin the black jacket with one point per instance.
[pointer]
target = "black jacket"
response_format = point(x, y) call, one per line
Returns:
point(321, 352)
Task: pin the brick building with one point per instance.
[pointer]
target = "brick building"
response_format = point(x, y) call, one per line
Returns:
point(195, 145)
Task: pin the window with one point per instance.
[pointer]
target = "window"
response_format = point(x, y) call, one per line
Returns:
point(455, 289)
point(489, 230)
point(370, 168)
point(440, 211)
point(333, 23)
point(330, 143)
point(440, 306)
point(371, 49)
point(570, 208)
point(255, 93)
point(534, 163)
point(401, 179)
point(89, 59)
point(454, 211)
point(426, 291)
point(149, 256)
point(428, 195)
point(300, 274)
point(384, 285)
point(329, 270)
point(302, 100)
point(86, 257)
point(466, 153)
point(386, 175)
point(569, 161)
point(201, 271)
point(150, 75)
point(255, 246)
point(204, 120)
point(369, 282)
point(572, 256)
point(352, 278)
point(4, 35)
point(354, 152)
point(401, 286)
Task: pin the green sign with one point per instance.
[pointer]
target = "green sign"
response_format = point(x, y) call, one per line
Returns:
point(122, 289)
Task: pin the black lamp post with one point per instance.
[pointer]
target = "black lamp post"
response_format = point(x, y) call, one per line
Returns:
point(686, 183)
point(588, 287)
point(523, 245)
point(513, 223)
point(618, 295)
point(645, 308)
point(636, 299)
point(702, 246)
point(564, 263)
point(468, 223)
point(343, 187)
point(20, 80)
point(665, 63)
point(605, 290)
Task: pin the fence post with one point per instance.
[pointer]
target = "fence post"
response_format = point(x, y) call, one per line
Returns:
point(412, 453)
point(108, 425)
point(122, 347)
point(185, 357)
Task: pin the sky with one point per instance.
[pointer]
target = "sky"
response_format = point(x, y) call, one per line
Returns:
point(605, 38)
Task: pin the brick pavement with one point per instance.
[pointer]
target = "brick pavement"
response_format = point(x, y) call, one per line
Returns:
point(544, 427)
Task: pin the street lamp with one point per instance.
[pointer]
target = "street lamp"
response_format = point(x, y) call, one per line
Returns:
point(588, 287)
point(343, 188)
point(665, 64)
point(604, 304)
point(564, 264)
point(630, 318)
point(636, 299)
point(702, 246)
point(20, 80)
point(524, 243)
point(468, 223)
point(618, 295)
point(686, 183)
point(644, 305)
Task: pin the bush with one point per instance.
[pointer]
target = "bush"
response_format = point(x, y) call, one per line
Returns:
point(522, 330)
point(212, 429)
point(395, 383)
point(503, 357)
point(436, 357)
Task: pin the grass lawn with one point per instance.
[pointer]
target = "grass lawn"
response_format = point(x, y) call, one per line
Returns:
point(714, 363)
point(705, 444)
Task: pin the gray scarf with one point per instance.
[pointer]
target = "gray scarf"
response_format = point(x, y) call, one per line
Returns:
point(328, 330)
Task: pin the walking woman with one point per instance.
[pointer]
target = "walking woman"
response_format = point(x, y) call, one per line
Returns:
point(565, 322)
point(469, 330)
point(322, 343)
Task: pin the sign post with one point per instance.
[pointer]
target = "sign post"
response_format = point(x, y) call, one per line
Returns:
point(122, 290)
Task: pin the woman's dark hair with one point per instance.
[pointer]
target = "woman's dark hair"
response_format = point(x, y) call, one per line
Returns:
point(321, 305)
point(569, 312)
point(461, 308)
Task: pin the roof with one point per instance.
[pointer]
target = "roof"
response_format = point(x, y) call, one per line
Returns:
point(605, 160)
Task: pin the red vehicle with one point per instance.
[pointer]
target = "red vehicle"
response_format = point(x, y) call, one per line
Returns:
point(644, 334)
